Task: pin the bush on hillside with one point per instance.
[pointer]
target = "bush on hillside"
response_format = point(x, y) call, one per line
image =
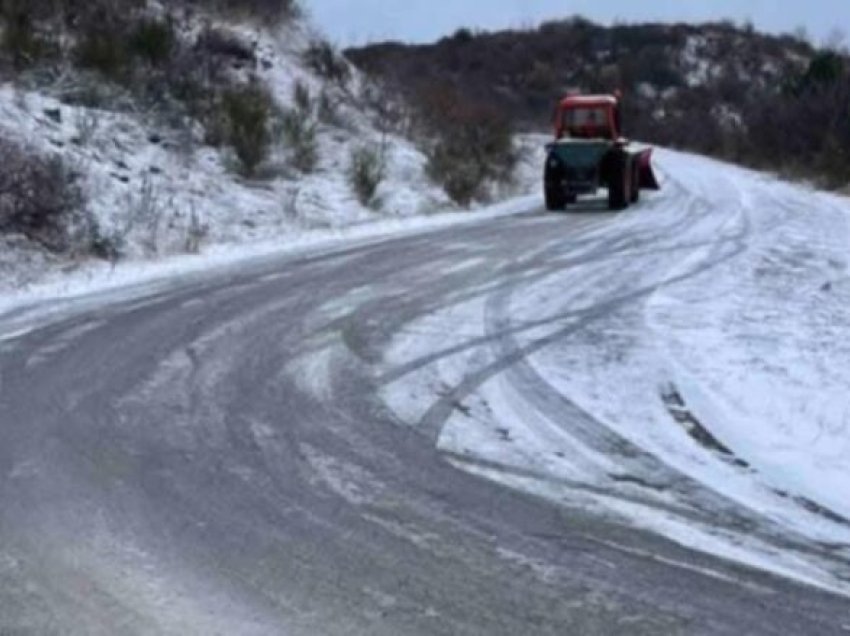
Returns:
point(225, 43)
point(473, 143)
point(299, 135)
point(366, 170)
point(328, 110)
point(153, 41)
point(120, 45)
point(103, 48)
point(23, 43)
point(324, 60)
point(248, 111)
point(298, 128)
point(39, 198)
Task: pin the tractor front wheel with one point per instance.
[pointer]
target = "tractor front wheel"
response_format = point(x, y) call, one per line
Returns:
point(620, 182)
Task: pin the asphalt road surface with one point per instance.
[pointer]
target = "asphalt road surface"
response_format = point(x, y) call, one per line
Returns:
point(214, 458)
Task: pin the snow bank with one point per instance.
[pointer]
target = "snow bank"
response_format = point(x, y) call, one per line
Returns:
point(760, 346)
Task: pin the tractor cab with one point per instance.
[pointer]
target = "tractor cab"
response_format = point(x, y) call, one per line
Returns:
point(588, 117)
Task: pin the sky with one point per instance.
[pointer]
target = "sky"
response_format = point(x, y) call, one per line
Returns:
point(350, 22)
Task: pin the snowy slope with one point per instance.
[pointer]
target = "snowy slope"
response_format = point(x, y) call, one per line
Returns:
point(161, 190)
point(683, 366)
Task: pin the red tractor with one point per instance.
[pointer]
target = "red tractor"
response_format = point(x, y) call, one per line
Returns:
point(589, 153)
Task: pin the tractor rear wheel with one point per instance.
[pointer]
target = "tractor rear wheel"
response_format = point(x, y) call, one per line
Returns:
point(620, 182)
point(635, 197)
point(555, 200)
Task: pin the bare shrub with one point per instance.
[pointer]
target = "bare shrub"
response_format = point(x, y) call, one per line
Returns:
point(473, 143)
point(142, 216)
point(449, 166)
point(302, 98)
point(328, 111)
point(248, 111)
point(300, 136)
point(214, 120)
point(121, 47)
point(225, 43)
point(40, 197)
point(107, 246)
point(196, 232)
point(298, 127)
point(101, 43)
point(366, 170)
point(22, 40)
point(153, 41)
point(323, 59)
point(145, 211)
point(391, 111)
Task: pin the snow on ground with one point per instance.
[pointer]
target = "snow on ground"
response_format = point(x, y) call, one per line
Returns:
point(59, 291)
point(686, 369)
point(760, 347)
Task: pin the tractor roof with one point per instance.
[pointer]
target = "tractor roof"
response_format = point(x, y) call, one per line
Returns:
point(574, 101)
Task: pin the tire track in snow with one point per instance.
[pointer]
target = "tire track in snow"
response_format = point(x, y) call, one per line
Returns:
point(695, 500)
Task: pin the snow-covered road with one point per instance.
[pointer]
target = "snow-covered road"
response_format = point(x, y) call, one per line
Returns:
point(296, 445)
point(684, 366)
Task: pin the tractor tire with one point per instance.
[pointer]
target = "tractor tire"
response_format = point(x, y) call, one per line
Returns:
point(635, 197)
point(620, 182)
point(555, 201)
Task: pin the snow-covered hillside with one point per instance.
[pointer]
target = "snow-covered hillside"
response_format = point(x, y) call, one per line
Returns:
point(159, 191)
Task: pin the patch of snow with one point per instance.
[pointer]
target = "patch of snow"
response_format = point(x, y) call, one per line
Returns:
point(697, 64)
point(760, 345)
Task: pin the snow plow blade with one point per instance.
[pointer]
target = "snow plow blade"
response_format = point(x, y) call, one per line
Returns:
point(648, 180)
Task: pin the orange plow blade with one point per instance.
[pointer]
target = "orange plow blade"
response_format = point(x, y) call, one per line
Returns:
point(648, 180)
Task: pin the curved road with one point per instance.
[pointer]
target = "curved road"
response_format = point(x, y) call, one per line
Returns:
point(215, 458)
